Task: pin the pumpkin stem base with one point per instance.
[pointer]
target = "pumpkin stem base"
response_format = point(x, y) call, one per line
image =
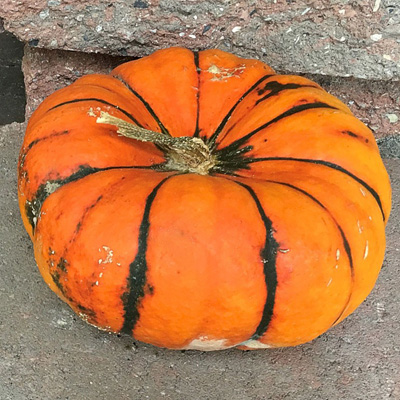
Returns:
point(185, 153)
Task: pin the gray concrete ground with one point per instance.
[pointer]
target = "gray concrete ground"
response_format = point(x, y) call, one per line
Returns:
point(48, 353)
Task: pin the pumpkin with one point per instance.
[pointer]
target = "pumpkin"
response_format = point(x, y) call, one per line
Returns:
point(198, 200)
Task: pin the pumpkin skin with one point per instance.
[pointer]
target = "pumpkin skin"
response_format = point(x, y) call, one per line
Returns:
point(282, 239)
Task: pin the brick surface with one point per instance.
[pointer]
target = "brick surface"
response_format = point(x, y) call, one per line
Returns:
point(376, 103)
point(336, 37)
point(46, 71)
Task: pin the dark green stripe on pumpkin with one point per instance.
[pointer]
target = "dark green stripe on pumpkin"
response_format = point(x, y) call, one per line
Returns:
point(294, 110)
point(354, 135)
point(213, 138)
point(346, 244)
point(164, 130)
point(329, 165)
point(268, 256)
point(36, 141)
point(198, 70)
point(33, 206)
point(136, 281)
point(130, 116)
point(274, 88)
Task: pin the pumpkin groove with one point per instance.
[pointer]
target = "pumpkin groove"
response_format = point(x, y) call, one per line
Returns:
point(294, 110)
point(163, 129)
point(197, 66)
point(130, 116)
point(345, 241)
point(268, 258)
point(33, 208)
point(221, 126)
point(197, 200)
point(329, 165)
point(137, 269)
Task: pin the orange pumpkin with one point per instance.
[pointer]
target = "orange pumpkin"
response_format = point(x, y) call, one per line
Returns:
point(200, 201)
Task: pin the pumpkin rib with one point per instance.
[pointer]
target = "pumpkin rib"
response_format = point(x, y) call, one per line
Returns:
point(36, 141)
point(61, 264)
point(346, 244)
point(267, 316)
point(164, 130)
point(138, 267)
point(65, 131)
point(273, 92)
point(276, 87)
point(197, 66)
point(292, 111)
point(85, 214)
point(268, 256)
point(355, 135)
point(34, 205)
point(130, 116)
point(212, 140)
point(326, 164)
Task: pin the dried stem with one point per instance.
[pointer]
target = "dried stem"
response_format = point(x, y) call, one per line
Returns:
point(185, 154)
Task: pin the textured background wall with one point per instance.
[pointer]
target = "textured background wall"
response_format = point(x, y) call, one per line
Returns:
point(351, 47)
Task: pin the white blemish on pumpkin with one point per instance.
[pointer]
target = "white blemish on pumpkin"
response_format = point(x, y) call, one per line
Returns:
point(363, 192)
point(97, 283)
point(118, 264)
point(109, 255)
point(330, 281)
point(91, 113)
point(221, 74)
point(360, 228)
point(284, 250)
point(100, 274)
point(83, 316)
point(51, 187)
point(205, 344)
point(370, 218)
point(34, 219)
point(337, 254)
point(366, 250)
point(336, 266)
point(255, 344)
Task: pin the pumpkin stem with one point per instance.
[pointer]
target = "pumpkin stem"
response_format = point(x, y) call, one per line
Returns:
point(185, 153)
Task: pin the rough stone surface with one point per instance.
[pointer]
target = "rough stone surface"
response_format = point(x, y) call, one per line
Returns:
point(48, 70)
point(12, 90)
point(330, 37)
point(46, 353)
point(376, 103)
point(389, 146)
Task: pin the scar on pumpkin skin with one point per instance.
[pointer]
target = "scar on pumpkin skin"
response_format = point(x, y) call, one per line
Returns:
point(221, 73)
